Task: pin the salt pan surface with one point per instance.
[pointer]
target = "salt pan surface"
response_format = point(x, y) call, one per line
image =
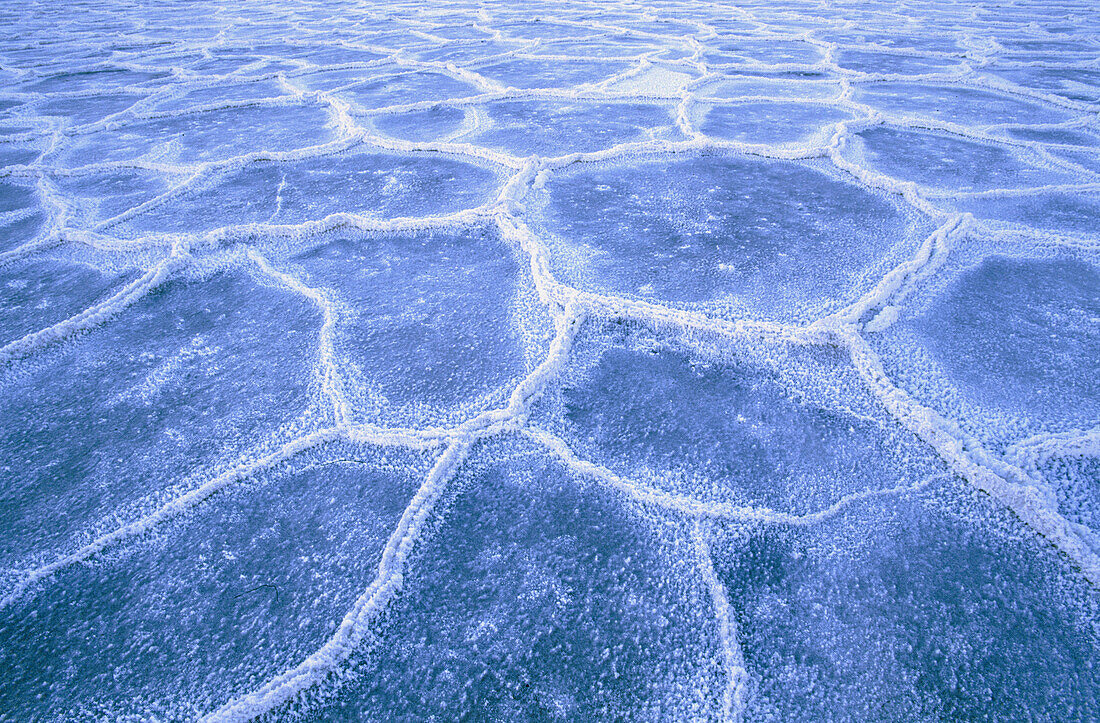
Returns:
point(549, 361)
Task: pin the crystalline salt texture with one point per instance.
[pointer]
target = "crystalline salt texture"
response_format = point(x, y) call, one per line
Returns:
point(769, 86)
point(1022, 335)
point(530, 73)
point(781, 122)
point(1089, 160)
point(1072, 83)
point(15, 198)
point(20, 215)
point(657, 80)
point(38, 292)
point(382, 186)
point(464, 53)
point(101, 196)
point(243, 587)
point(735, 432)
point(1075, 479)
point(333, 55)
point(172, 385)
point(7, 104)
point(207, 136)
point(965, 106)
point(1064, 136)
point(422, 125)
point(11, 129)
point(430, 327)
point(461, 32)
point(772, 239)
point(701, 326)
point(669, 29)
point(1077, 213)
point(327, 80)
point(223, 62)
point(407, 88)
point(554, 129)
point(607, 46)
point(377, 185)
point(92, 80)
point(919, 608)
point(88, 109)
point(17, 156)
point(234, 93)
point(957, 164)
point(398, 41)
point(770, 52)
point(878, 62)
point(543, 30)
point(903, 38)
point(541, 598)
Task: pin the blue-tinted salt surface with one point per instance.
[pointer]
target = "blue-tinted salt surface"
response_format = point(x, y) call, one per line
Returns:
point(770, 239)
point(549, 361)
point(39, 292)
point(422, 125)
point(924, 608)
point(939, 161)
point(171, 386)
point(782, 122)
point(760, 436)
point(1001, 344)
point(1049, 310)
point(241, 588)
point(541, 596)
point(554, 129)
point(295, 192)
point(418, 351)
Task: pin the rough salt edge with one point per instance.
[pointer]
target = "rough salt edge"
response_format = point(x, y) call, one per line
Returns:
point(95, 315)
point(1031, 505)
point(1032, 452)
point(392, 437)
point(735, 694)
point(326, 661)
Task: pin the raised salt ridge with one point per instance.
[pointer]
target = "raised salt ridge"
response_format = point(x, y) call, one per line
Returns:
point(551, 361)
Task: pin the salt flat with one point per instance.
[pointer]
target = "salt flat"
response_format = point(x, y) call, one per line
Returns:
point(560, 361)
